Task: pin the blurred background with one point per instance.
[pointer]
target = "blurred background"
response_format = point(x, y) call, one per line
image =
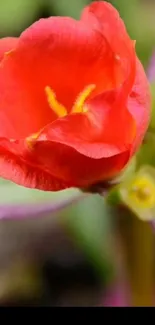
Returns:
point(88, 253)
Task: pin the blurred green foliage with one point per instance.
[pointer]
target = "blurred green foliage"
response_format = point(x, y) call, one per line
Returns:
point(66, 8)
point(138, 16)
point(16, 15)
point(88, 224)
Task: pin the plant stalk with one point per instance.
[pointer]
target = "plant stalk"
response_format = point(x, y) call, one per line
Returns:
point(137, 240)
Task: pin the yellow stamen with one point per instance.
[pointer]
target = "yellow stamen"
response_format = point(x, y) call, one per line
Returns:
point(9, 52)
point(79, 106)
point(58, 108)
point(31, 140)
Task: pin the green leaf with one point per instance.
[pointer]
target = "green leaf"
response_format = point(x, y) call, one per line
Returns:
point(16, 15)
point(127, 172)
point(146, 153)
point(89, 225)
point(11, 193)
point(139, 20)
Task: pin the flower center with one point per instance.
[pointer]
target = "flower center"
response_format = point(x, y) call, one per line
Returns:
point(60, 110)
point(78, 107)
point(143, 192)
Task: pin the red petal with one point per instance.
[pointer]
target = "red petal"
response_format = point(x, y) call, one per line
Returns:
point(139, 104)
point(95, 134)
point(72, 167)
point(63, 154)
point(14, 168)
point(7, 44)
point(53, 166)
point(67, 164)
point(76, 55)
point(105, 19)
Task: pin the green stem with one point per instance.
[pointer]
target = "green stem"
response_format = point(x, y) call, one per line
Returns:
point(138, 246)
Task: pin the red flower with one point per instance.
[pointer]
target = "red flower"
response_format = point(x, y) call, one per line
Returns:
point(74, 101)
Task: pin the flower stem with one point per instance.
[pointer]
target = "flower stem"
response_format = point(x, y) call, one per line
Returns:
point(138, 245)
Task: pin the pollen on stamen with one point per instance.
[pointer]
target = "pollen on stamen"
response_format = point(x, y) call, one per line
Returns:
point(57, 108)
point(79, 105)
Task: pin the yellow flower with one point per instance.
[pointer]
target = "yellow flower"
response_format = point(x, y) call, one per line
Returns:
point(138, 193)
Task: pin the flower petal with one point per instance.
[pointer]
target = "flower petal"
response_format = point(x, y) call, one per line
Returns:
point(52, 166)
point(79, 149)
point(7, 44)
point(105, 20)
point(151, 69)
point(24, 211)
point(79, 170)
point(94, 134)
point(139, 104)
point(13, 167)
point(72, 47)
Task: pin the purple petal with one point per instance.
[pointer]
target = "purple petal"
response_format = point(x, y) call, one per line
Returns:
point(151, 69)
point(116, 296)
point(36, 210)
